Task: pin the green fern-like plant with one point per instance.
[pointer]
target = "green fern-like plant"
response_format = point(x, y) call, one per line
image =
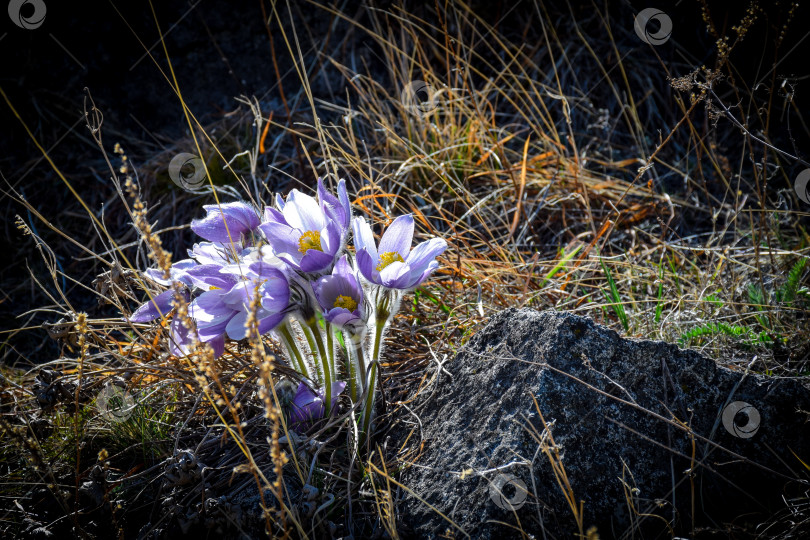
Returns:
point(788, 291)
point(756, 297)
point(745, 335)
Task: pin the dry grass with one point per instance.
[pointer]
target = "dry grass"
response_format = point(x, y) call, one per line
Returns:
point(562, 176)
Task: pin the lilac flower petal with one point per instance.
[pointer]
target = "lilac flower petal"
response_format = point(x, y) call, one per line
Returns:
point(329, 203)
point(392, 275)
point(398, 236)
point(226, 222)
point(208, 253)
point(290, 260)
point(307, 406)
point(303, 212)
point(345, 270)
point(184, 264)
point(279, 201)
point(273, 215)
point(275, 294)
point(209, 331)
point(206, 276)
point(405, 281)
point(367, 266)
point(426, 274)
point(335, 208)
point(236, 329)
point(331, 238)
point(304, 395)
point(254, 270)
point(264, 270)
point(157, 307)
point(181, 338)
point(239, 296)
point(265, 265)
point(208, 309)
point(340, 317)
point(218, 344)
point(343, 197)
point(315, 261)
point(269, 323)
point(327, 289)
point(342, 282)
point(176, 273)
point(364, 239)
point(425, 252)
point(156, 275)
point(211, 315)
point(282, 238)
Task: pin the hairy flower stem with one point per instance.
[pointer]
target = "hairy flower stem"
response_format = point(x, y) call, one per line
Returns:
point(371, 378)
point(356, 365)
point(329, 360)
point(387, 304)
point(312, 323)
point(292, 349)
point(316, 356)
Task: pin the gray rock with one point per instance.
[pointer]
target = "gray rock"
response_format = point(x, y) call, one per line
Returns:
point(627, 417)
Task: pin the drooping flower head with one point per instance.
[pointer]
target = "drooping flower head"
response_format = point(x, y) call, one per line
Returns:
point(394, 265)
point(308, 406)
point(308, 234)
point(340, 296)
point(227, 223)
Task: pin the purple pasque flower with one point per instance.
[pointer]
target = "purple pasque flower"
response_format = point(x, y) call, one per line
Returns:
point(394, 265)
point(157, 307)
point(307, 234)
point(274, 299)
point(338, 208)
point(201, 253)
point(340, 295)
point(181, 338)
point(223, 308)
point(209, 311)
point(308, 406)
point(177, 272)
point(227, 223)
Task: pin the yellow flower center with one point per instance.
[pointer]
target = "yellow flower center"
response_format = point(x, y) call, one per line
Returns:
point(388, 258)
point(309, 240)
point(345, 302)
point(212, 287)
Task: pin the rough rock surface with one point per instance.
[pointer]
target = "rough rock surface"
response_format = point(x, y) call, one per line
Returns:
point(620, 409)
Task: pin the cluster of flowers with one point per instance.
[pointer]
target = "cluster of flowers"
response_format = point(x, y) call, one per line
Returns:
point(329, 310)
